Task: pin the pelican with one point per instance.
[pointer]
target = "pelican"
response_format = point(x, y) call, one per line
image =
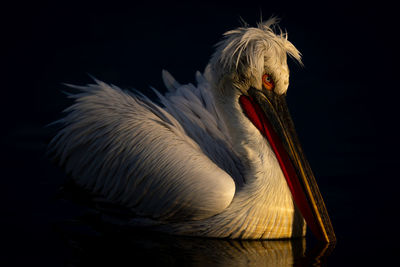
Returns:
point(220, 159)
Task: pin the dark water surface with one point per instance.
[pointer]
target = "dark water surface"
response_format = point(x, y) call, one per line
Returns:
point(344, 104)
point(121, 248)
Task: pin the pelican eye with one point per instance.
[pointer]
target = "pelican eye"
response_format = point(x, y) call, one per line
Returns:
point(267, 81)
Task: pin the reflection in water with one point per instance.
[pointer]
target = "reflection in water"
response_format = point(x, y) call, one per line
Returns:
point(99, 244)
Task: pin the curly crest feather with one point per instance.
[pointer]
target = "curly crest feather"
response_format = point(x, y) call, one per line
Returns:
point(247, 52)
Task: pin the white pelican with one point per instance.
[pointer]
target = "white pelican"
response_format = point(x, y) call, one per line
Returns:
point(220, 159)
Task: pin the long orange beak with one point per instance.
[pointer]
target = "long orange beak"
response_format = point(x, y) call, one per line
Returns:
point(269, 113)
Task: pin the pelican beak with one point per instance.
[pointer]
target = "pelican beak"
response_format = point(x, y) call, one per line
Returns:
point(271, 116)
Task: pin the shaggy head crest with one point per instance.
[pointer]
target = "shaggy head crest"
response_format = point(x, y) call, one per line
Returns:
point(246, 53)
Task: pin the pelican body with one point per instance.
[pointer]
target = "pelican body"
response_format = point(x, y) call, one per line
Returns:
point(219, 159)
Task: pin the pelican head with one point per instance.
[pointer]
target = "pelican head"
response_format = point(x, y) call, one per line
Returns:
point(247, 53)
point(250, 78)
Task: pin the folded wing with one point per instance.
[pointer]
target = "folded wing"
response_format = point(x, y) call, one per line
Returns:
point(135, 153)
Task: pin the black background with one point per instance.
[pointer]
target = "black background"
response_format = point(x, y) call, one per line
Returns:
point(344, 102)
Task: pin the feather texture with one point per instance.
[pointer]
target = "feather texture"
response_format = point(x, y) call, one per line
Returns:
point(136, 153)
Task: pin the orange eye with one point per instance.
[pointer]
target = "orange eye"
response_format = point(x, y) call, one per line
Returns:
point(268, 82)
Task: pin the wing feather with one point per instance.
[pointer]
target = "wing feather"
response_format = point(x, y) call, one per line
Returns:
point(194, 108)
point(137, 154)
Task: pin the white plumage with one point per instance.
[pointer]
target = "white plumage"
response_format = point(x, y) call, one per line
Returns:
point(193, 164)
